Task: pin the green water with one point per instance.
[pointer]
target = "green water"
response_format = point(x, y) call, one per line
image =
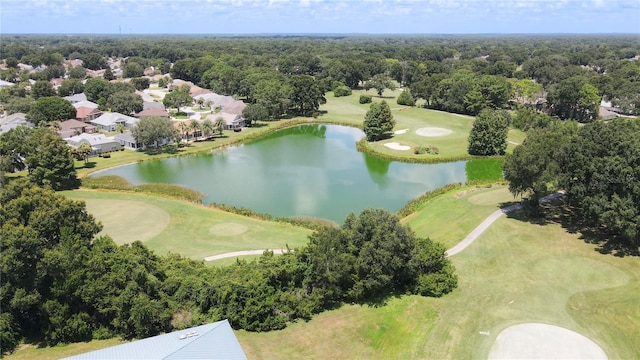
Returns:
point(308, 170)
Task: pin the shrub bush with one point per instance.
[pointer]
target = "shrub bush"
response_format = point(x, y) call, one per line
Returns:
point(405, 98)
point(342, 90)
point(365, 99)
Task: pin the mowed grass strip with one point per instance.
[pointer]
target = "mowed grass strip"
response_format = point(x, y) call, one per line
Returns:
point(191, 230)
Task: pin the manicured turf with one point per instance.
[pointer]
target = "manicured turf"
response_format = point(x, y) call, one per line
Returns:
point(193, 230)
point(450, 217)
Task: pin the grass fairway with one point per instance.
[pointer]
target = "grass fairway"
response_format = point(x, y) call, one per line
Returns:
point(195, 231)
point(450, 217)
point(515, 272)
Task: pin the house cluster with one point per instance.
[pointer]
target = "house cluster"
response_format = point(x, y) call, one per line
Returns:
point(90, 123)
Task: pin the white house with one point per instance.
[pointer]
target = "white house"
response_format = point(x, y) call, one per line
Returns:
point(13, 121)
point(109, 121)
point(76, 98)
point(99, 142)
point(232, 121)
point(128, 141)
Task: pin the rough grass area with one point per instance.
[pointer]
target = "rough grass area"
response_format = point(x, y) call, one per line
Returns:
point(30, 352)
point(188, 229)
point(114, 182)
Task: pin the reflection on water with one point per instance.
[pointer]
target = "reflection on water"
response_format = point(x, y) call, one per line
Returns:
point(313, 171)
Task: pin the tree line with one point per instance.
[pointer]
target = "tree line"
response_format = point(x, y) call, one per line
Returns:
point(61, 283)
point(598, 165)
point(565, 76)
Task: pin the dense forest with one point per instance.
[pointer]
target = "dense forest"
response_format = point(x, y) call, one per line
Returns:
point(563, 76)
point(62, 283)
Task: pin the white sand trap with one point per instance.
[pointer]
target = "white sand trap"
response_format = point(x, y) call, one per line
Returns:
point(433, 131)
point(542, 341)
point(397, 146)
point(398, 132)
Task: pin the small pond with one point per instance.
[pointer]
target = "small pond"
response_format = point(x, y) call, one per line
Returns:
point(307, 170)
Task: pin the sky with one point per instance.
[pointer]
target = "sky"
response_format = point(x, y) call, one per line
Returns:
point(319, 16)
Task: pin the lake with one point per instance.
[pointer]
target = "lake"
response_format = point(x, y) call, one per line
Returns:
point(307, 170)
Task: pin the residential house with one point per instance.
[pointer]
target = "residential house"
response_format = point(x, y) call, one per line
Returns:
point(100, 143)
point(197, 90)
point(109, 121)
point(152, 112)
point(606, 114)
point(127, 140)
point(13, 121)
point(4, 84)
point(56, 82)
point(234, 107)
point(152, 105)
point(85, 103)
point(70, 128)
point(176, 83)
point(232, 121)
point(76, 98)
point(87, 114)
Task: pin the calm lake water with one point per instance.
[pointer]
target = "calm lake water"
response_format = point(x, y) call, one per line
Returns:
point(308, 170)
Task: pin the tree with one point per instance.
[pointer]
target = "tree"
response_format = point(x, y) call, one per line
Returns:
point(132, 70)
point(152, 130)
point(140, 83)
point(380, 82)
point(600, 171)
point(50, 162)
point(207, 127)
point(82, 152)
point(306, 94)
point(42, 88)
point(533, 167)
point(177, 99)
point(574, 98)
point(108, 74)
point(219, 124)
point(405, 98)
point(254, 112)
point(95, 89)
point(78, 72)
point(124, 102)
point(49, 109)
point(94, 61)
point(14, 148)
point(70, 86)
point(489, 133)
point(273, 95)
point(195, 128)
point(19, 105)
point(378, 121)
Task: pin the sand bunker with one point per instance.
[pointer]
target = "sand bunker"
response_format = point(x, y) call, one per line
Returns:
point(542, 341)
point(228, 229)
point(398, 132)
point(433, 131)
point(397, 146)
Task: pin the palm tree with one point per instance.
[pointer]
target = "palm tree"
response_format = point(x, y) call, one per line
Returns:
point(184, 129)
point(195, 126)
point(219, 124)
point(208, 127)
point(120, 128)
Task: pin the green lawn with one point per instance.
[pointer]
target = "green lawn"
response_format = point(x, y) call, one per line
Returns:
point(195, 231)
point(450, 217)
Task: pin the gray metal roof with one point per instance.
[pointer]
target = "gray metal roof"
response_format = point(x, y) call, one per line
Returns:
point(211, 341)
